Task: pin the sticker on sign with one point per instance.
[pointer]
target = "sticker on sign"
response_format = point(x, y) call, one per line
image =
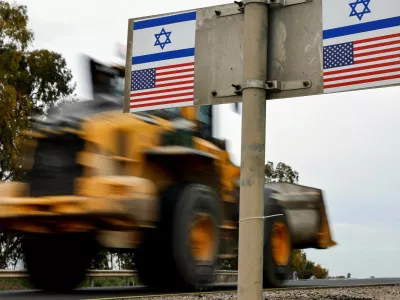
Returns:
point(361, 44)
point(163, 56)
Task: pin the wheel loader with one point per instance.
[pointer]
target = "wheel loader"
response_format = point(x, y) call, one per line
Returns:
point(156, 184)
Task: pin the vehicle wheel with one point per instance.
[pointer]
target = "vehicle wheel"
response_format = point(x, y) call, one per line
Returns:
point(182, 252)
point(58, 263)
point(277, 244)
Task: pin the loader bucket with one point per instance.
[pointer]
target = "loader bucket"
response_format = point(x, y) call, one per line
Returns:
point(306, 213)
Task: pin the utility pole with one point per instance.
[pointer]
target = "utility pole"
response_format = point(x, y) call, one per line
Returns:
point(251, 224)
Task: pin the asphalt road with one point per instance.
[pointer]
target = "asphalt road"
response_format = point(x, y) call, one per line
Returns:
point(119, 292)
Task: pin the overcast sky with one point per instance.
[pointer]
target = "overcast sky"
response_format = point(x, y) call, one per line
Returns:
point(346, 144)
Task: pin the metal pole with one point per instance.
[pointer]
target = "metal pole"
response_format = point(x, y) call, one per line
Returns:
point(251, 230)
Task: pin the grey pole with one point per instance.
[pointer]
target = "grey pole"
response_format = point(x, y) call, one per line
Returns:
point(251, 230)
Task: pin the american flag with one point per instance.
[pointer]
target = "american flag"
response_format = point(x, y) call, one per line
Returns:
point(363, 62)
point(156, 87)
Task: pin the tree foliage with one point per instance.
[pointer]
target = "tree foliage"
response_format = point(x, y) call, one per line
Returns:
point(106, 260)
point(281, 173)
point(305, 268)
point(125, 261)
point(31, 81)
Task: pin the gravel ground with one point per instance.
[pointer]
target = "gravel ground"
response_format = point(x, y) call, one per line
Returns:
point(348, 293)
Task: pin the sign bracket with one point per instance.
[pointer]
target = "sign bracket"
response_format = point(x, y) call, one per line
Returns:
point(272, 86)
point(280, 86)
point(286, 2)
point(230, 11)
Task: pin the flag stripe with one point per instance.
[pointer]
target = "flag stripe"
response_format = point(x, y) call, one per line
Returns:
point(373, 59)
point(377, 38)
point(163, 102)
point(366, 67)
point(362, 74)
point(358, 72)
point(175, 74)
point(163, 90)
point(162, 56)
point(142, 24)
point(175, 66)
point(376, 45)
point(165, 96)
point(359, 28)
point(176, 71)
point(397, 76)
point(153, 102)
point(174, 77)
point(387, 48)
point(376, 52)
point(156, 107)
point(174, 83)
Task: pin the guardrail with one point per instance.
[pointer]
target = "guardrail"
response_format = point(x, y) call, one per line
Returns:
point(91, 274)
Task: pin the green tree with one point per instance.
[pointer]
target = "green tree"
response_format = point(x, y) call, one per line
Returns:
point(31, 81)
point(306, 268)
point(319, 272)
point(125, 261)
point(299, 260)
point(101, 261)
point(282, 173)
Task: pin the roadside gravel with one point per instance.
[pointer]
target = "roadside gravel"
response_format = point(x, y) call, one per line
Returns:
point(348, 293)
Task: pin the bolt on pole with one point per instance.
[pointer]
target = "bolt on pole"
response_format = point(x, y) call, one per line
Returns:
point(251, 230)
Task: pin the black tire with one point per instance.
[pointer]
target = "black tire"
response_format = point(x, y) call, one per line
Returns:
point(273, 275)
point(58, 263)
point(164, 260)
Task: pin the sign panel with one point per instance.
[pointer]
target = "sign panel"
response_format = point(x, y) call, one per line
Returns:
point(361, 44)
point(177, 59)
point(295, 48)
point(196, 57)
point(162, 72)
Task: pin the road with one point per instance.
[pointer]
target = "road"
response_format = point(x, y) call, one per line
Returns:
point(118, 292)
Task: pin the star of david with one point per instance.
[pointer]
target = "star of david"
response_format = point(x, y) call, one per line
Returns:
point(359, 14)
point(159, 41)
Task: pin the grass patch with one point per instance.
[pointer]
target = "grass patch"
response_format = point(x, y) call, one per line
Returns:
point(15, 284)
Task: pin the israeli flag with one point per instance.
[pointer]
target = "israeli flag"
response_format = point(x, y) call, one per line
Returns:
point(169, 39)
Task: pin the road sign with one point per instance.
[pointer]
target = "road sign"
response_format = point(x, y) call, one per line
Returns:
point(361, 40)
point(295, 49)
point(211, 38)
point(162, 62)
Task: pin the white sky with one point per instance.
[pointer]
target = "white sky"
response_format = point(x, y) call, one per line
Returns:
point(345, 144)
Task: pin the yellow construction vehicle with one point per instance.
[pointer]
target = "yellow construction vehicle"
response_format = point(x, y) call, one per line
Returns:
point(156, 183)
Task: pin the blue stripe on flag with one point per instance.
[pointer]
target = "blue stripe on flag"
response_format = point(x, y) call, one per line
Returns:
point(358, 28)
point(162, 56)
point(164, 20)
